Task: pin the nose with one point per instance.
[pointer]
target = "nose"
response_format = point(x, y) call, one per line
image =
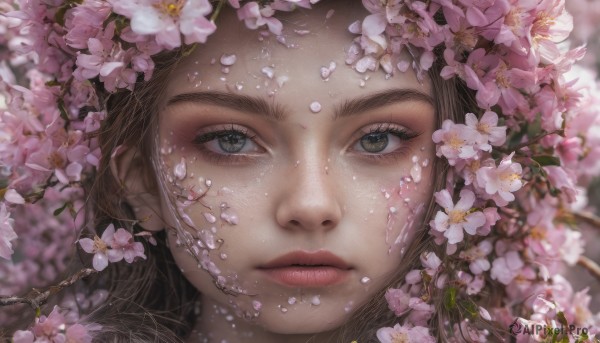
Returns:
point(309, 200)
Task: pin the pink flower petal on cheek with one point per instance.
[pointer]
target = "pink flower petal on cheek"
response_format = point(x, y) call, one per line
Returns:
point(374, 24)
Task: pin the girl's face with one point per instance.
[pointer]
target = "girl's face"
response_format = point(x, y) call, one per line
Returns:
point(293, 191)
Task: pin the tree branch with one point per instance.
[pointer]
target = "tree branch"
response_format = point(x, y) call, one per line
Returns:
point(591, 266)
point(588, 218)
point(35, 298)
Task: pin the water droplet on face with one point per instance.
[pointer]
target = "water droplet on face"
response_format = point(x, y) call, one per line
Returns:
point(268, 72)
point(230, 218)
point(425, 163)
point(228, 317)
point(208, 183)
point(349, 306)
point(256, 305)
point(315, 107)
point(209, 217)
point(281, 80)
point(223, 256)
point(316, 300)
point(228, 59)
point(365, 280)
point(291, 300)
point(180, 170)
point(362, 83)
point(225, 191)
point(393, 210)
point(329, 14)
point(239, 86)
point(192, 76)
point(301, 32)
point(284, 310)
point(415, 172)
point(225, 70)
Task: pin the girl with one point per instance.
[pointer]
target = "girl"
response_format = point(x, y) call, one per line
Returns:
point(286, 180)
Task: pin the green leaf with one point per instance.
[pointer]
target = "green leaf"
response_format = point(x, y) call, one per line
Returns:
point(515, 139)
point(450, 298)
point(470, 307)
point(60, 209)
point(63, 110)
point(535, 128)
point(562, 319)
point(59, 16)
point(546, 160)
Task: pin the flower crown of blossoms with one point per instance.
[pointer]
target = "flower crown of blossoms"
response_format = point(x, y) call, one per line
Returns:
point(514, 194)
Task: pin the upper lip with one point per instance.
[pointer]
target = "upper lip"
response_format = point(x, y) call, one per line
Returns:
point(319, 258)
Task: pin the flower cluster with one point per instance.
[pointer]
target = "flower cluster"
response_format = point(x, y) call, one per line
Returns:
point(55, 328)
point(518, 164)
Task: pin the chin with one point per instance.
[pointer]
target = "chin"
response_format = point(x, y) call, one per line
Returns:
point(299, 322)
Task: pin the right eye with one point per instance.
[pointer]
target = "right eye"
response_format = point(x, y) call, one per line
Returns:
point(227, 143)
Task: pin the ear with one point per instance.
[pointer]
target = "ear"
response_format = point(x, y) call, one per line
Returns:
point(142, 195)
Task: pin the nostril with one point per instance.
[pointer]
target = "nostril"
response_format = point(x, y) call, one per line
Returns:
point(327, 223)
point(294, 222)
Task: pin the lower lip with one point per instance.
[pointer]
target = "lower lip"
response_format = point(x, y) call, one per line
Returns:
point(307, 276)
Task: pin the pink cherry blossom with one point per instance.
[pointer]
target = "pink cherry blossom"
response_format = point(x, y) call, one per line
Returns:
point(459, 141)
point(397, 300)
point(167, 20)
point(505, 268)
point(473, 285)
point(7, 233)
point(50, 327)
point(563, 180)
point(552, 24)
point(405, 333)
point(23, 336)
point(487, 128)
point(254, 17)
point(477, 256)
point(123, 247)
point(501, 182)
point(457, 218)
point(99, 247)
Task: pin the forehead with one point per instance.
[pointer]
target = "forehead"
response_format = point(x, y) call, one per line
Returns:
point(306, 64)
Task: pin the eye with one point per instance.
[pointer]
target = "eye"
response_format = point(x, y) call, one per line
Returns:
point(383, 139)
point(227, 143)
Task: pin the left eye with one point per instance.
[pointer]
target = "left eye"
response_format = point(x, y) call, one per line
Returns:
point(383, 141)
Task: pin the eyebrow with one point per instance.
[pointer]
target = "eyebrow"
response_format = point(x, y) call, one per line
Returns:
point(259, 106)
point(238, 102)
point(369, 102)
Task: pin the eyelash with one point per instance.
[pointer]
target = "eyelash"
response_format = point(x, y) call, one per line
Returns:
point(400, 132)
point(202, 139)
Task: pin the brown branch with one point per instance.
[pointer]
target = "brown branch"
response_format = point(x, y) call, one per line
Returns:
point(35, 298)
point(591, 266)
point(587, 218)
point(530, 142)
